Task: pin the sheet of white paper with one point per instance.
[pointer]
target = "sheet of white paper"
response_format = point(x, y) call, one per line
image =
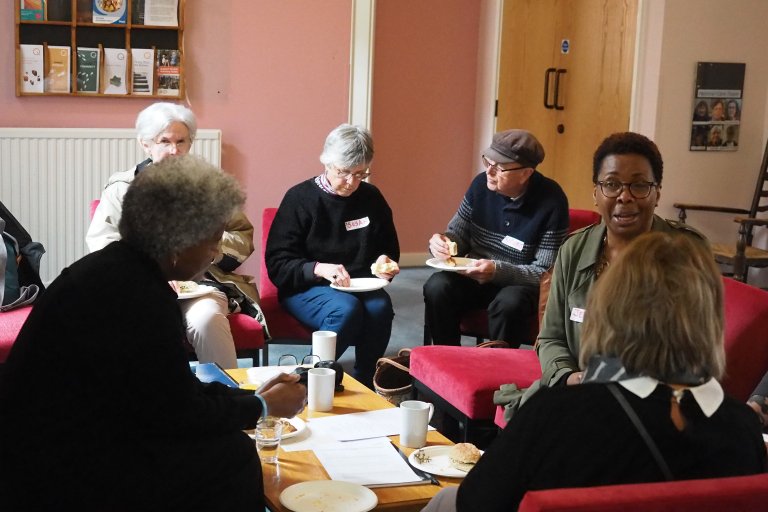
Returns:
point(161, 12)
point(359, 425)
point(308, 440)
point(367, 462)
point(261, 374)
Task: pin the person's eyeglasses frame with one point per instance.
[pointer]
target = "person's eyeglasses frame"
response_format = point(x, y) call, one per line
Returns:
point(180, 145)
point(497, 168)
point(628, 186)
point(343, 174)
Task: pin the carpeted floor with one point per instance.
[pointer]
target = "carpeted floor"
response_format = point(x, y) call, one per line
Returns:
point(407, 328)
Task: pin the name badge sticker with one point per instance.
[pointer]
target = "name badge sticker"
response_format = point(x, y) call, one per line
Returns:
point(513, 243)
point(351, 225)
point(577, 315)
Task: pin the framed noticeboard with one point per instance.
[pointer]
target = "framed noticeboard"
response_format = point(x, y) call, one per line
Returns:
point(717, 106)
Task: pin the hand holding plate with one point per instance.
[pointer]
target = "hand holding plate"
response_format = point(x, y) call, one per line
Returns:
point(333, 272)
point(483, 271)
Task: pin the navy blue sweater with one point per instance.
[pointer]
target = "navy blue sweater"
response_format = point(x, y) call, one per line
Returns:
point(539, 219)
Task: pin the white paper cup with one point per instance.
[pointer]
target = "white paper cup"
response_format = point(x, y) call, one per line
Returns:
point(320, 386)
point(414, 422)
point(324, 345)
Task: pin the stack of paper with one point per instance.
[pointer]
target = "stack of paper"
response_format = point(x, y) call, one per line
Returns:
point(373, 463)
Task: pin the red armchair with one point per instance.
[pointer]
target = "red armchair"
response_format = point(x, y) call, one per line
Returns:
point(284, 329)
point(735, 494)
point(746, 347)
point(10, 325)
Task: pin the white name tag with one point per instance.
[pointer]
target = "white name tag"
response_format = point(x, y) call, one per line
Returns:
point(577, 315)
point(357, 224)
point(513, 243)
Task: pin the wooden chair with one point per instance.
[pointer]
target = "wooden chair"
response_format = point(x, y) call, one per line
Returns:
point(247, 332)
point(742, 255)
point(474, 323)
point(284, 329)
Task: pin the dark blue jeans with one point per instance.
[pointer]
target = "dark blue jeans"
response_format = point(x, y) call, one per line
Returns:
point(362, 320)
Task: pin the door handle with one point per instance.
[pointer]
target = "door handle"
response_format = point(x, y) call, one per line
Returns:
point(558, 73)
point(547, 74)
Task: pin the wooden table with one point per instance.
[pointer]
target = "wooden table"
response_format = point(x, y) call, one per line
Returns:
point(302, 466)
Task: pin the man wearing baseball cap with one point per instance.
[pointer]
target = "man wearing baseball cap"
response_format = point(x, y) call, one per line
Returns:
point(511, 221)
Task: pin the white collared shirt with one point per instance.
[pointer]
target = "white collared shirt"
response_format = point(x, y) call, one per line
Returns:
point(709, 395)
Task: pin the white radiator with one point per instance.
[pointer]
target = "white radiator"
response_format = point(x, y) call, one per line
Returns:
point(49, 176)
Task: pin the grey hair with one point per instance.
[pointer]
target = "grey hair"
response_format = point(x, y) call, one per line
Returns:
point(153, 120)
point(347, 146)
point(177, 203)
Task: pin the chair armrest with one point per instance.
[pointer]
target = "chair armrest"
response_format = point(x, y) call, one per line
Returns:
point(751, 221)
point(705, 208)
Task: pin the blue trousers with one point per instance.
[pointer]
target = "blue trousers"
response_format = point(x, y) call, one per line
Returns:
point(362, 320)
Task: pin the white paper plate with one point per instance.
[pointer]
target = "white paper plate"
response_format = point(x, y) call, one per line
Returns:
point(202, 289)
point(438, 463)
point(299, 424)
point(461, 264)
point(362, 284)
point(328, 496)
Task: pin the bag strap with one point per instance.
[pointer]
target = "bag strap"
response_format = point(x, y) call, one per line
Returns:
point(643, 432)
point(493, 344)
point(385, 360)
point(404, 352)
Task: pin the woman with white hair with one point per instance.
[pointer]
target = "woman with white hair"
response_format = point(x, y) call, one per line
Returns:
point(327, 230)
point(167, 130)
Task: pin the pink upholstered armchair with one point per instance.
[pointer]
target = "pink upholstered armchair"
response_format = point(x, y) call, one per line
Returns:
point(735, 494)
point(283, 327)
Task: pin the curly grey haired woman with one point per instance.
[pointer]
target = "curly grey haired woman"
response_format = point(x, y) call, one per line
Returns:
point(120, 422)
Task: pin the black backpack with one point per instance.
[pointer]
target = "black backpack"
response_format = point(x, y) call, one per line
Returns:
point(20, 282)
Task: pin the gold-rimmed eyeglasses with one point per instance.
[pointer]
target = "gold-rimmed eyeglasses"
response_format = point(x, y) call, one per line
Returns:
point(490, 166)
point(637, 189)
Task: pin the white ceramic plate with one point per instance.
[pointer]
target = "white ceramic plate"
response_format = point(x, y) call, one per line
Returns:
point(461, 263)
point(202, 289)
point(328, 496)
point(362, 284)
point(298, 423)
point(438, 463)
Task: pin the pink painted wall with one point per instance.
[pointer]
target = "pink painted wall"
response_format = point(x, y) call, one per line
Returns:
point(273, 75)
point(426, 57)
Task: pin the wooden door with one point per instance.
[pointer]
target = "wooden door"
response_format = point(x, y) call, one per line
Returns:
point(595, 80)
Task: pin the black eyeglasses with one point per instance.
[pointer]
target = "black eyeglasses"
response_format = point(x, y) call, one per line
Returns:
point(496, 167)
point(638, 189)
